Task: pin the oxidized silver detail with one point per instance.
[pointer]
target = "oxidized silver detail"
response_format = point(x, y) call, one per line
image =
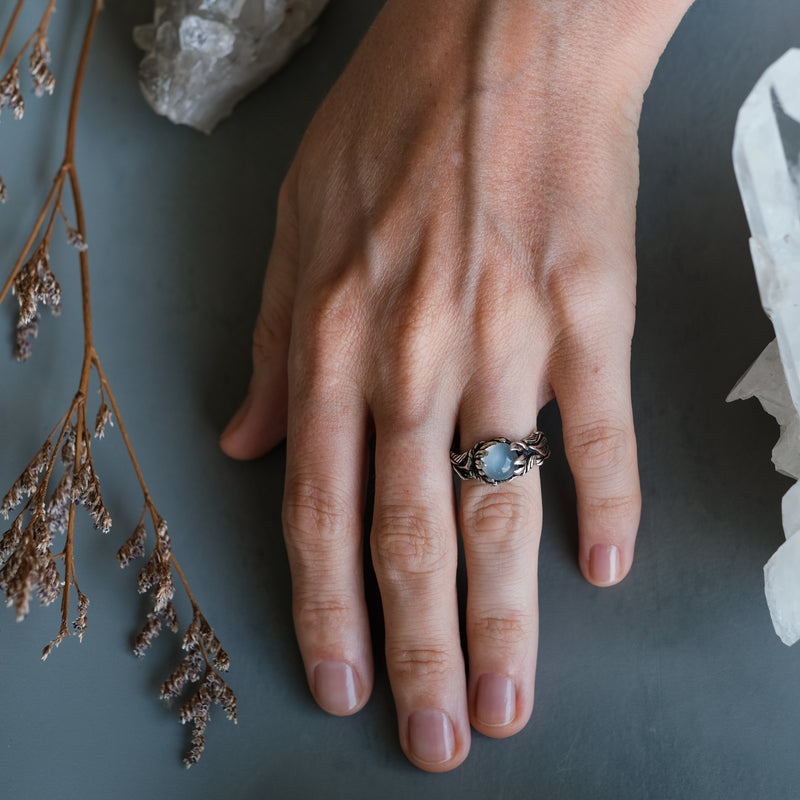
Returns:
point(532, 451)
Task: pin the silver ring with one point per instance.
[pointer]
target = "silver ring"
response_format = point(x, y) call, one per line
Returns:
point(499, 460)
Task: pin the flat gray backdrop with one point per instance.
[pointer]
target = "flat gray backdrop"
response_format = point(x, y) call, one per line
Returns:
point(672, 685)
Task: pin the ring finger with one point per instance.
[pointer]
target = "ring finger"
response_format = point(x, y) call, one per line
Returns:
point(501, 527)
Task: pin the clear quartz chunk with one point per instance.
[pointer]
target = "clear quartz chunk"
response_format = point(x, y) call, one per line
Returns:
point(766, 155)
point(203, 56)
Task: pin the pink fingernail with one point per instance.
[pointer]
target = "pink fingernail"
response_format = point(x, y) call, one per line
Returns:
point(336, 687)
point(238, 417)
point(604, 563)
point(430, 736)
point(495, 700)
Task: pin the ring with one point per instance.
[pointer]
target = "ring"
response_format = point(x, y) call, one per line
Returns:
point(498, 460)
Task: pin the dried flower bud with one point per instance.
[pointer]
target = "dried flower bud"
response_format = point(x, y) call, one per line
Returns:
point(49, 587)
point(49, 289)
point(145, 638)
point(198, 740)
point(195, 664)
point(169, 617)
point(133, 547)
point(68, 449)
point(60, 502)
point(150, 573)
point(191, 639)
point(3, 191)
point(79, 625)
point(10, 95)
point(10, 540)
point(197, 707)
point(43, 81)
point(75, 238)
point(50, 647)
point(104, 417)
point(227, 702)
point(222, 661)
point(174, 685)
point(26, 333)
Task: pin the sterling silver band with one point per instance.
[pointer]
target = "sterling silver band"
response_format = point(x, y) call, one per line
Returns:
point(499, 460)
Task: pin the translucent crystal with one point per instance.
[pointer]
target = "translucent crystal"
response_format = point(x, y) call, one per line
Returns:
point(766, 154)
point(203, 56)
point(206, 36)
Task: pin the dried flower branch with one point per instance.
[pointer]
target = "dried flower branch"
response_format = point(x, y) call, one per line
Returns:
point(28, 566)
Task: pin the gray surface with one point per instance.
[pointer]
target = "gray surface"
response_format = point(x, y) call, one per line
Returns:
point(672, 685)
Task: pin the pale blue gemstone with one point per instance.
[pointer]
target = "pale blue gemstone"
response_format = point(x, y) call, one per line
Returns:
point(498, 463)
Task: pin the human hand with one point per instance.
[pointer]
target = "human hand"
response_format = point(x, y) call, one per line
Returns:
point(454, 247)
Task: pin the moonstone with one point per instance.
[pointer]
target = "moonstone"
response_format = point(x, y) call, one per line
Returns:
point(203, 56)
point(498, 463)
point(766, 156)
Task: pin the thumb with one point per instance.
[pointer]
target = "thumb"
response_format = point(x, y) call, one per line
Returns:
point(260, 422)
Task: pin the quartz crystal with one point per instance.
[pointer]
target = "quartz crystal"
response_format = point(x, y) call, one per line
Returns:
point(203, 56)
point(766, 155)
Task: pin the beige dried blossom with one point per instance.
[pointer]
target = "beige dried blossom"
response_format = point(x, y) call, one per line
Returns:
point(39, 61)
point(86, 492)
point(35, 283)
point(25, 335)
point(134, 546)
point(104, 417)
point(60, 502)
point(79, 625)
point(76, 240)
point(10, 95)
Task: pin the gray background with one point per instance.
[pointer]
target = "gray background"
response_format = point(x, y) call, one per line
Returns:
point(672, 685)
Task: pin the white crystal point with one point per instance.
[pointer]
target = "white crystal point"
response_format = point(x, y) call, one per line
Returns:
point(790, 511)
point(498, 462)
point(203, 56)
point(782, 587)
point(766, 155)
point(766, 381)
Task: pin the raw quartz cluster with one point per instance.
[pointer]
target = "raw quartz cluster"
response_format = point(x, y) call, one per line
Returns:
point(766, 155)
point(203, 56)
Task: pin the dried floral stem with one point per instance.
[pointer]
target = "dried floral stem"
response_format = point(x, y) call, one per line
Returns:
point(11, 25)
point(123, 432)
point(27, 563)
point(40, 31)
point(137, 469)
point(55, 192)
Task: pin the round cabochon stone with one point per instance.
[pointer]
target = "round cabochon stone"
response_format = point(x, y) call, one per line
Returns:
point(498, 463)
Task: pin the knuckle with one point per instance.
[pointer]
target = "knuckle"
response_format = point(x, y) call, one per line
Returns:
point(498, 517)
point(508, 628)
point(315, 518)
point(320, 616)
point(612, 509)
point(413, 664)
point(600, 447)
point(406, 544)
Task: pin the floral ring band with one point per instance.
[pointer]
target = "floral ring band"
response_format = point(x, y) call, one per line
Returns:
point(499, 460)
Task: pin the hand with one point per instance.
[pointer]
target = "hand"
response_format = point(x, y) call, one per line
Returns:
point(454, 247)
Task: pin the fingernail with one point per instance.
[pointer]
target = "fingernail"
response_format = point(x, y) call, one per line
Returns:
point(496, 700)
point(430, 736)
point(238, 417)
point(336, 687)
point(604, 563)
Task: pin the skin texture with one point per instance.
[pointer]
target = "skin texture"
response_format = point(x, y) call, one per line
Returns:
point(454, 248)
